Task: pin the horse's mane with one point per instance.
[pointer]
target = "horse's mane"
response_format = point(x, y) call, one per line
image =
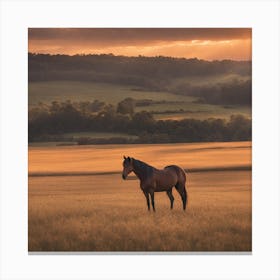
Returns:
point(143, 167)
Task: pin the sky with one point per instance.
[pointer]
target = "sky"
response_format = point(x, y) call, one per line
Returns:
point(202, 43)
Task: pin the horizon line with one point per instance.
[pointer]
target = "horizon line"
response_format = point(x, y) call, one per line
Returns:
point(139, 55)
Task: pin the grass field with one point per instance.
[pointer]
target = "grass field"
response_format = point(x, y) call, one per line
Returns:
point(105, 213)
point(85, 91)
point(47, 92)
point(92, 159)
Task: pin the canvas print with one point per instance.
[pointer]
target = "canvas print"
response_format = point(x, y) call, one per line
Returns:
point(139, 140)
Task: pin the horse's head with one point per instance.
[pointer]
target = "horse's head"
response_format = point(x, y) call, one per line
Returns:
point(127, 166)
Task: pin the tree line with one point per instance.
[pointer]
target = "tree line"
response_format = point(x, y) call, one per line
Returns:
point(57, 118)
point(233, 92)
point(148, 73)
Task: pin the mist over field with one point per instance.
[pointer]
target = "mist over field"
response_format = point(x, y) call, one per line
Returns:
point(213, 82)
point(149, 99)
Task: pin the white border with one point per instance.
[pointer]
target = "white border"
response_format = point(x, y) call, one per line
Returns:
point(17, 16)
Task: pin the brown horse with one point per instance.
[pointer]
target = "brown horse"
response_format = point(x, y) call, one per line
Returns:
point(154, 180)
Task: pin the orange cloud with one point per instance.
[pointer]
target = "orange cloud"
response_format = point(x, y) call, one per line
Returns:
point(219, 44)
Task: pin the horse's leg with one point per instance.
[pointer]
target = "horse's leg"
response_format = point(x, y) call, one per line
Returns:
point(171, 197)
point(148, 199)
point(152, 198)
point(183, 193)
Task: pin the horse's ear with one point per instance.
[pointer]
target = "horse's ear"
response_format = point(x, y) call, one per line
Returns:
point(129, 159)
point(124, 157)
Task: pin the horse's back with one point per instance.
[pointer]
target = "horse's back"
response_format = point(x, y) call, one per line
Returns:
point(179, 172)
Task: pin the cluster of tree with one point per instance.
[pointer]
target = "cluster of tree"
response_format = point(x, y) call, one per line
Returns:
point(231, 93)
point(152, 73)
point(65, 117)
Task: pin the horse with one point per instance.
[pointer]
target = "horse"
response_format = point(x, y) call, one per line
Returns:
point(154, 180)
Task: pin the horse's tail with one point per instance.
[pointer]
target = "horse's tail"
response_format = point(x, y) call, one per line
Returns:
point(184, 177)
point(186, 195)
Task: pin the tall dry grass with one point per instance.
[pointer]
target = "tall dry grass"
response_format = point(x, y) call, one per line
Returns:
point(104, 213)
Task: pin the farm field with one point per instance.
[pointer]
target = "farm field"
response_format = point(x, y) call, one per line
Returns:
point(75, 91)
point(97, 213)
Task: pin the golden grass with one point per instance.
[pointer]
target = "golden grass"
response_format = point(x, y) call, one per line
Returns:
point(108, 158)
point(105, 213)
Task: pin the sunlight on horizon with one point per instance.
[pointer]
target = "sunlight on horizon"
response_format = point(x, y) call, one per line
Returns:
point(201, 47)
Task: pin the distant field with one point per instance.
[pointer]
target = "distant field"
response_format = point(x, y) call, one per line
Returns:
point(85, 91)
point(93, 159)
point(105, 213)
point(47, 92)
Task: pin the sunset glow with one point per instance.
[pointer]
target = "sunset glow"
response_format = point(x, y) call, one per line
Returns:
point(209, 44)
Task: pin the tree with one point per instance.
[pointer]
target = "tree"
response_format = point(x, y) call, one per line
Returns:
point(143, 121)
point(126, 106)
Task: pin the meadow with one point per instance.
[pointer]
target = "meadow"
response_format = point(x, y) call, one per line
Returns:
point(186, 106)
point(104, 213)
point(85, 91)
point(99, 212)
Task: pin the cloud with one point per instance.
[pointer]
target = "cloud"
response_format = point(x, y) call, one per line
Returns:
point(128, 35)
point(206, 43)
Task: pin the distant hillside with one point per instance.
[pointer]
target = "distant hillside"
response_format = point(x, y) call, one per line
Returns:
point(200, 78)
